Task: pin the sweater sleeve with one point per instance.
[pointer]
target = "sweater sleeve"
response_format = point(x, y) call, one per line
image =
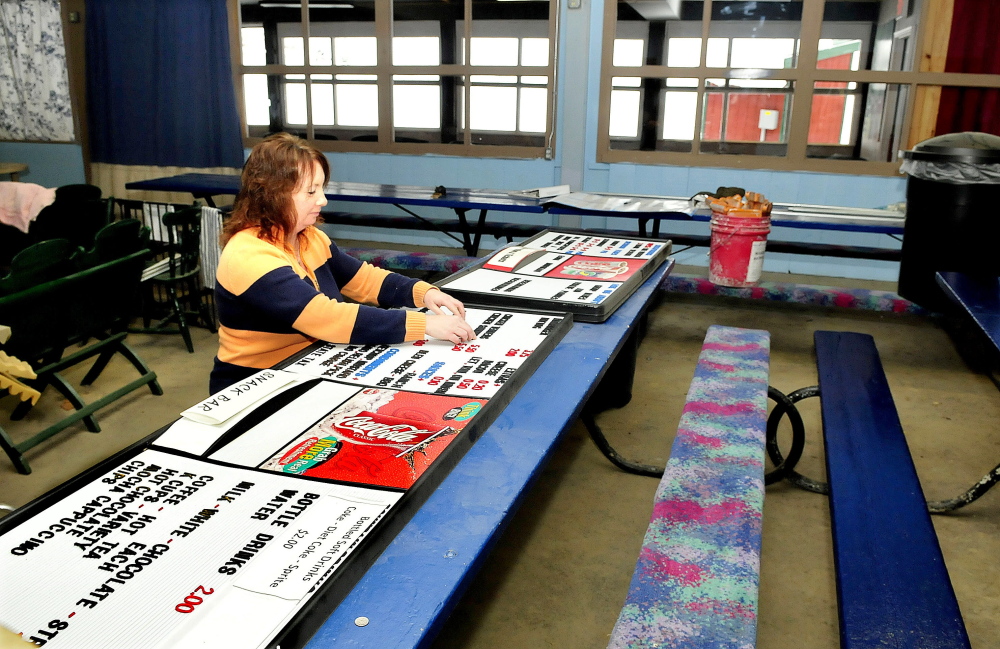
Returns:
point(276, 299)
point(371, 285)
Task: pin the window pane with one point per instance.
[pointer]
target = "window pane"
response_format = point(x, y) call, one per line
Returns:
point(758, 83)
point(772, 53)
point(534, 51)
point(684, 52)
point(355, 50)
point(711, 119)
point(295, 103)
point(628, 52)
point(741, 121)
point(493, 51)
point(628, 82)
point(356, 77)
point(718, 53)
point(291, 51)
point(357, 104)
point(409, 77)
point(755, 117)
point(839, 129)
point(253, 46)
point(679, 115)
point(839, 54)
point(493, 108)
point(255, 99)
point(861, 36)
point(678, 82)
point(322, 101)
point(760, 34)
point(490, 78)
point(624, 113)
point(416, 106)
point(320, 50)
point(416, 50)
point(532, 111)
point(539, 81)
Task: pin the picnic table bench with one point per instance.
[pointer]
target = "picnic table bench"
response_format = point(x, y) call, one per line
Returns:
point(696, 580)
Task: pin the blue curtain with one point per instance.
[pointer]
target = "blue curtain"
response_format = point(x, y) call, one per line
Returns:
point(159, 84)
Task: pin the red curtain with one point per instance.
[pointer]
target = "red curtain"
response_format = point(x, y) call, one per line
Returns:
point(972, 49)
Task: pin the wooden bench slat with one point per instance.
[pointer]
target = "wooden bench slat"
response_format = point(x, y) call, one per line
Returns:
point(893, 587)
point(696, 581)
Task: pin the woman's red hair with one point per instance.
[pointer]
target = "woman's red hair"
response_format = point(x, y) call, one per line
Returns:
point(271, 174)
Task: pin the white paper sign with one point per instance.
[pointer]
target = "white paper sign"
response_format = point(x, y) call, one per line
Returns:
point(196, 438)
point(238, 397)
point(157, 545)
point(508, 258)
point(496, 282)
point(613, 247)
point(259, 443)
point(474, 369)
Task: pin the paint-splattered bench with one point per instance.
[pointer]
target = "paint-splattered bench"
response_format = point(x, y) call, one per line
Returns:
point(429, 262)
point(696, 580)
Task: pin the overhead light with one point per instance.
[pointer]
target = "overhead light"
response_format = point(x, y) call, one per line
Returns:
point(657, 9)
point(298, 5)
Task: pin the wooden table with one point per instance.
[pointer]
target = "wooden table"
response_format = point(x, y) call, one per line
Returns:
point(14, 169)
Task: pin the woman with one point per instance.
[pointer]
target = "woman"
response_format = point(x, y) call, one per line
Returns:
point(281, 281)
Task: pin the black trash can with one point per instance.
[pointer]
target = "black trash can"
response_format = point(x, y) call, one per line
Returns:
point(952, 213)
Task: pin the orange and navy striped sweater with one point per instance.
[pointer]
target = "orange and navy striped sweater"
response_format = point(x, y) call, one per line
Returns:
point(271, 307)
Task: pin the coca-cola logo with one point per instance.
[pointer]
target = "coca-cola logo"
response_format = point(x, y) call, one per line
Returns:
point(373, 428)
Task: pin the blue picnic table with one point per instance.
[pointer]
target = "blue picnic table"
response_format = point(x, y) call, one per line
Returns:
point(408, 593)
point(643, 210)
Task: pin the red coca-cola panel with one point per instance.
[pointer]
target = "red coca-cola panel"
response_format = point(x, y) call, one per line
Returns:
point(378, 437)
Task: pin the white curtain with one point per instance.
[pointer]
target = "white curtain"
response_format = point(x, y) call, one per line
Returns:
point(34, 84)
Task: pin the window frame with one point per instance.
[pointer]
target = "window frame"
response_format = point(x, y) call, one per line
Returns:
point(385, 71)
point(922, 81)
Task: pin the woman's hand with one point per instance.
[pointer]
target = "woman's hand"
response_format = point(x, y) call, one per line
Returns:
point(435, 298)
point(449, 327)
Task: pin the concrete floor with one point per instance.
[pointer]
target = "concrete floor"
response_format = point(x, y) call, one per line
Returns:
point(558, 576)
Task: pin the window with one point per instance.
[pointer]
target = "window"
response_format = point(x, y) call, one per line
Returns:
point(472, 78)
point(823, 85)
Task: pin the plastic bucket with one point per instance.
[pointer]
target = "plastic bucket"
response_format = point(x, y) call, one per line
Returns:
point(736, 255)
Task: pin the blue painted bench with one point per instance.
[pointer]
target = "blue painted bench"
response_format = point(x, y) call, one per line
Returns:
point(893, 588)
point(978, 298)
point(696, 581)
point(827, 296)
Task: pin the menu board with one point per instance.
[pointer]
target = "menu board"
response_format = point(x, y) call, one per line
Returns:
point(247, 520)
point(505, 341)
point(589, 276)
point(170, 551)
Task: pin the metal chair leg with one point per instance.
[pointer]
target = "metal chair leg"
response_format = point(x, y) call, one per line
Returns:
point(181, 320)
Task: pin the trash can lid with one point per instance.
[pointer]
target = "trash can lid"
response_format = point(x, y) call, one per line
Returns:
point(968, 147)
